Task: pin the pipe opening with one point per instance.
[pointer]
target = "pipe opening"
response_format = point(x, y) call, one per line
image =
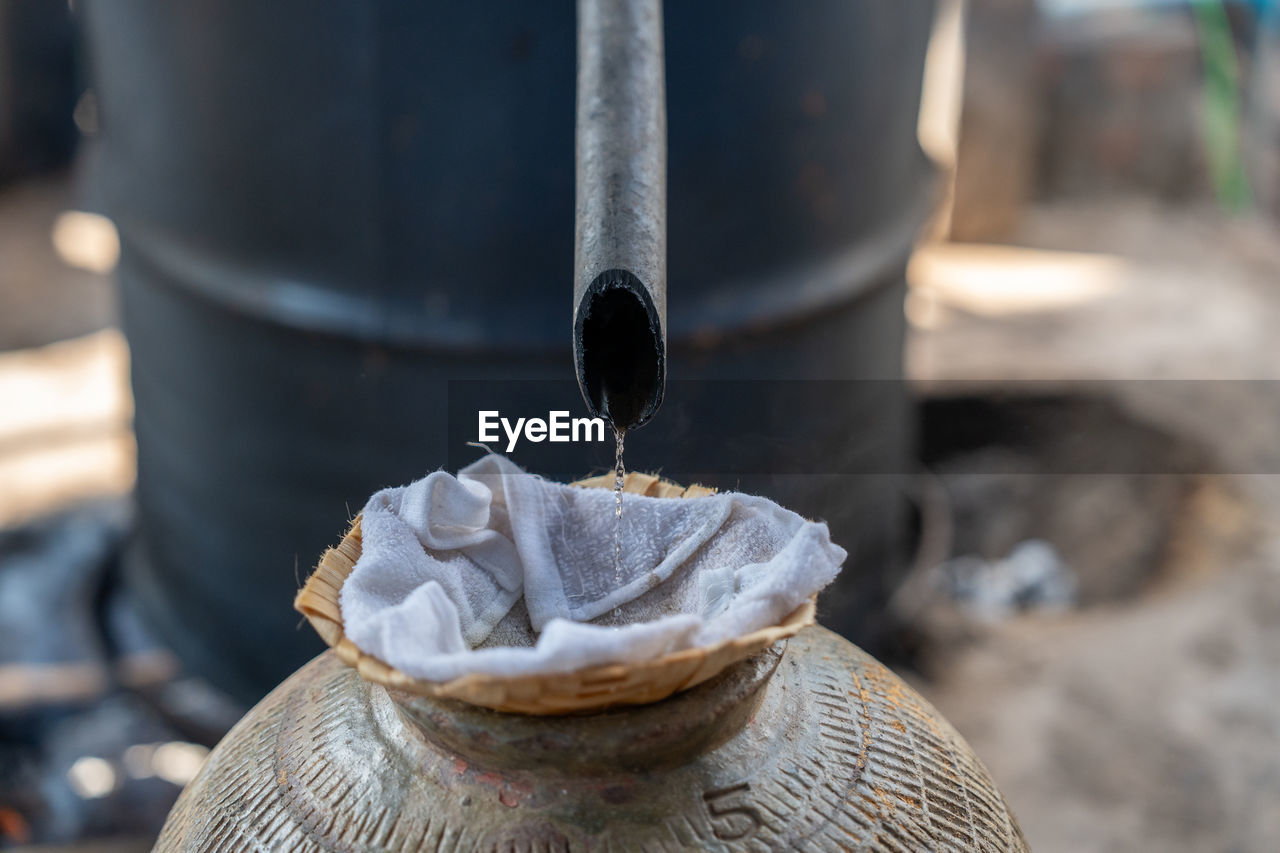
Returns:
point(620, 352)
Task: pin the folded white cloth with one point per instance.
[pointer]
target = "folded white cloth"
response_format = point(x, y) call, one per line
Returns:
point(445, 562)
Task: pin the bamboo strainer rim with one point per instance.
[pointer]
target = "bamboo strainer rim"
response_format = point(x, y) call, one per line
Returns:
point(590, 689)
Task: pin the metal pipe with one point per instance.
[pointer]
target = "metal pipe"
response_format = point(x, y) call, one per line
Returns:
point(620, 246)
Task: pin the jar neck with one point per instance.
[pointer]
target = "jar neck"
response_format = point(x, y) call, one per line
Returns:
point(639, 737)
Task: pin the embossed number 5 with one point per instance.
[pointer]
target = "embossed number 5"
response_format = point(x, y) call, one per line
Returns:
point(731, 822)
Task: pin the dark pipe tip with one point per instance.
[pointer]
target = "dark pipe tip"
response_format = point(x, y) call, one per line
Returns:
point(620, 350)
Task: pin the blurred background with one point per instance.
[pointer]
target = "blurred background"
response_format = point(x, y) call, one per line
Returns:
point(243, 251)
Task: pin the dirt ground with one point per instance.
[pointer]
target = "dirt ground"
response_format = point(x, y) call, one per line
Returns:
point(1150, 723)
point(42, 298)
point(68, 435)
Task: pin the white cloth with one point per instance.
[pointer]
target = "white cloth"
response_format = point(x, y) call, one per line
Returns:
point(446, 560)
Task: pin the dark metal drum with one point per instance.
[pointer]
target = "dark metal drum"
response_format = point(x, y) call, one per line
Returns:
point(329, 212)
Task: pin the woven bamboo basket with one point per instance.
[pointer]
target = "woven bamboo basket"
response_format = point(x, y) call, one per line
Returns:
point(590, 689)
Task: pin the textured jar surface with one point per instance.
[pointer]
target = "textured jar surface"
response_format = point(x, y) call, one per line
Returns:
point(835, 753)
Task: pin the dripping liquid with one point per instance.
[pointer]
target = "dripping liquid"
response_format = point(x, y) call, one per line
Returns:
point(619, 475)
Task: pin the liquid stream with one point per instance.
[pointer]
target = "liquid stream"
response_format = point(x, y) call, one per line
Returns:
point(619, 475)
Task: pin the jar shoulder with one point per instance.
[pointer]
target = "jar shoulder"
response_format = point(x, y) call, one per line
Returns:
point(839, 753)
